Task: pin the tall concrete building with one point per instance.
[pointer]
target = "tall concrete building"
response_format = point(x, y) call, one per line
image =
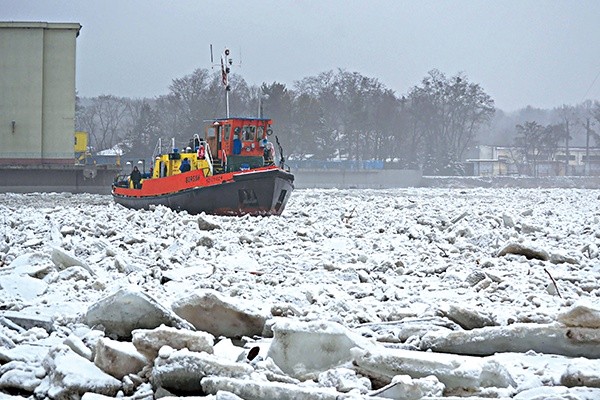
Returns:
point(37, 92)
point(37, 112)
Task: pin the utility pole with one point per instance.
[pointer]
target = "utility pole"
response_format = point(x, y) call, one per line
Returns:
point(567, 148)
point(587, 146)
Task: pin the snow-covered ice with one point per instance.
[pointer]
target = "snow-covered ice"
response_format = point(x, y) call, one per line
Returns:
point(403, 293)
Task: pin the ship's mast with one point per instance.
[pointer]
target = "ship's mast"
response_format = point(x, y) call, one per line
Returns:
point(225, 69)
point(226, 63)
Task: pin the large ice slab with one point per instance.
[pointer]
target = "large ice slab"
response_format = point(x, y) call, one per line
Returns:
point(516, 338)
point(301, 348)
point(128, 309)
point(209, 311)
point(118, 358)
point(181, 371)
point(452, 370)
point(70, 375)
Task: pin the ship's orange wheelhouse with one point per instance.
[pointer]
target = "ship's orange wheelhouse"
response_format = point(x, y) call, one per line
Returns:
point(240, 142)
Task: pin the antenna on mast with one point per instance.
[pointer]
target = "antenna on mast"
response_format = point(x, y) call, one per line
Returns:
point(226, 63)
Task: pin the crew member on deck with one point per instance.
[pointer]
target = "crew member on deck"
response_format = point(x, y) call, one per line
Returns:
point(268, 153)
point(185, 165)
point(136, 178)
point(237, 145)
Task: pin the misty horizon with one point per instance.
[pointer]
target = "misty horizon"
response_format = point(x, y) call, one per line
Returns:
point(522, 53)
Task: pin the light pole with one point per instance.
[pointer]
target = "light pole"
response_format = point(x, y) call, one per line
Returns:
point(143, 162)
point(261, 97)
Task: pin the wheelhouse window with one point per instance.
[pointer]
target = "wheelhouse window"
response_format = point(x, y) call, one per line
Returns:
point(227, 130)
point(249, 132)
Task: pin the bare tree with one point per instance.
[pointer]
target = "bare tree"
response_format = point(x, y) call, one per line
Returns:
point(536, 142)
point(105, 119)
point(86, 120)
point(188, 95)
point(529, 141)
point(447, 114)
point(145, 130)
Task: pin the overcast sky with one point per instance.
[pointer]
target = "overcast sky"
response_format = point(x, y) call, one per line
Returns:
point(538, 53)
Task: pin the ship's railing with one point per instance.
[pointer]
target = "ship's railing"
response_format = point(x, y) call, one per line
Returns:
point(224, 159)
point(209, 157)
point(207, 153)
point(122, 181)
point(157, 149)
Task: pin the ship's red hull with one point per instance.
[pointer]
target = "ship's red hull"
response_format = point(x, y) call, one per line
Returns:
point(261, 191)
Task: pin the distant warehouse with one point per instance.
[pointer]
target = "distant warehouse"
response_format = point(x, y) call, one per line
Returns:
point(37, 92)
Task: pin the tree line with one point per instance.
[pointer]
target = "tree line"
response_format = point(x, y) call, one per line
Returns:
point(333, 115)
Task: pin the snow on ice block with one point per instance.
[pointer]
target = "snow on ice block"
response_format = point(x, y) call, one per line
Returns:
point(558, 392)
point(36, 265)
point(149, 342)
point(5, 341)
point(22, 286)
point(77, 345)
point(27, 320)
point(406, 388)
point(345, 380)
point(118, 358)
point(252, 389)
point(19, 376)
point(227, 350)
point(63, 259)
point(582, 372)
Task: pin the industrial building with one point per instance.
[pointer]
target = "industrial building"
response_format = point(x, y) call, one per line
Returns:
point(502, 160)
point(37, 110)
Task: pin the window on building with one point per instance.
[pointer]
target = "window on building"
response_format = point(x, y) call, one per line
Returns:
point(563, 157)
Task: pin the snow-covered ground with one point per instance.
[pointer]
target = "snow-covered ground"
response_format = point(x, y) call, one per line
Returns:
point(404, 293)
